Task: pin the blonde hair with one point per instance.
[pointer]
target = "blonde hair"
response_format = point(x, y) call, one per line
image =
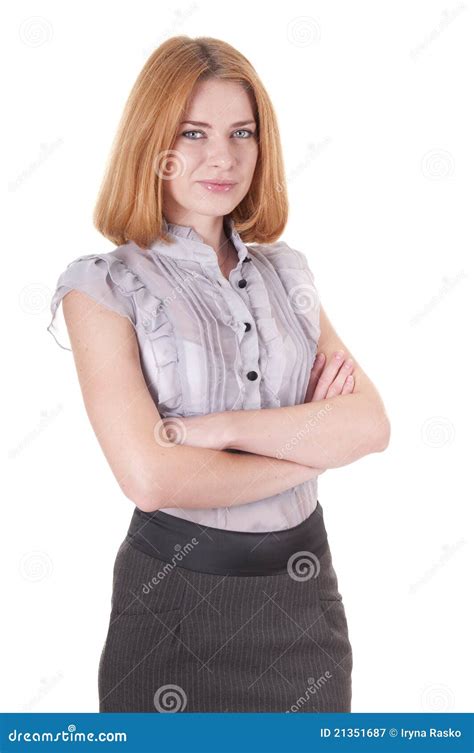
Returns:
point(130, 201)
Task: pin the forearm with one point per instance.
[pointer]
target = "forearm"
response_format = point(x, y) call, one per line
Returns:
point(324, 434)
point(191, 477)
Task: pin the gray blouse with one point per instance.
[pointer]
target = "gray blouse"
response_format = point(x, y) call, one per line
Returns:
point(208, 344)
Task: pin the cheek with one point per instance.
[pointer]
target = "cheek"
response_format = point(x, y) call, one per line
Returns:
point(180, 162)
point(177, 186)
point(250, 162)
point(251, 156)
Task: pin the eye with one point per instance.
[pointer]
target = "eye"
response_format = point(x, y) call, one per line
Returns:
point(241, 130)
point(245, 130)
point(188, 132)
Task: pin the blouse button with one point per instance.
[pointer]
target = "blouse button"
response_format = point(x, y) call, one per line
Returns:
point(252, 375)
point(242, 283)
point(247, 326)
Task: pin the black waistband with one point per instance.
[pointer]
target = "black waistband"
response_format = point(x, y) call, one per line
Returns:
point(224, 552)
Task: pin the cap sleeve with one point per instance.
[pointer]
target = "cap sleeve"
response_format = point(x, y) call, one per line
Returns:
point(108, 281)
point(298, 280)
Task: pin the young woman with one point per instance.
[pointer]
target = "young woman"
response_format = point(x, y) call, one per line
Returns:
point(195, 353)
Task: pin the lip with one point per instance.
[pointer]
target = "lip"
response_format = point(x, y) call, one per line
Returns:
point(215, 185)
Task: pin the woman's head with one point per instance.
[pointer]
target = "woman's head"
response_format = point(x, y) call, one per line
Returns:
point(217, 140)
point(159, 157)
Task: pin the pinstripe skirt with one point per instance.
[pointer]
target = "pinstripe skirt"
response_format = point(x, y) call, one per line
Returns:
point(211, 620)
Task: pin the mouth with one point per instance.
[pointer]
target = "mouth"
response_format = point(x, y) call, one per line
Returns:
point(216, 185)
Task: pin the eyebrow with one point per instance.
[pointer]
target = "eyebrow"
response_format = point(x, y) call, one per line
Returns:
point(207, 125)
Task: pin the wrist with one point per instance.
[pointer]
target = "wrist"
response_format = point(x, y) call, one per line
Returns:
point(223, 430)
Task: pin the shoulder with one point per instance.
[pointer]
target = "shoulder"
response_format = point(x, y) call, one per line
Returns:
point(295, 280)
point(281, 255)
point(290, 264)
point(115, 280)
point(119, 266)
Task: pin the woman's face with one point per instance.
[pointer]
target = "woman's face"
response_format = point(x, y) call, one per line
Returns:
point(225, 149)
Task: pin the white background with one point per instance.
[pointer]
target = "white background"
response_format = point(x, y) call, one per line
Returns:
point(374, 103)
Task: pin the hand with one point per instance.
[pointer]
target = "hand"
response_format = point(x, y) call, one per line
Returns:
point(330, 380)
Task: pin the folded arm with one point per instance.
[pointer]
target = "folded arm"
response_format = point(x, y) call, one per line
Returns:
point(326, 433)
point(152, 471)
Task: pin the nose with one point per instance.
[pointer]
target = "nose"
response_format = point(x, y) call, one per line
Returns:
point(220, 152)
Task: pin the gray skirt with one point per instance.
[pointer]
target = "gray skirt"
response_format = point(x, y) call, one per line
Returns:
point(211, 620)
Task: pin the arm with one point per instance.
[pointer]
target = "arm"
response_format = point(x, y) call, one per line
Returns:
point(152, 471)
point(325, 433)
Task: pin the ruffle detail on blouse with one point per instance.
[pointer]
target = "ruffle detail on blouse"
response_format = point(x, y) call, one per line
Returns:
point(162, 341)
point(106, 280)
point(271, 355)
point(111, 282)
point(152, 318)
point(298, 280)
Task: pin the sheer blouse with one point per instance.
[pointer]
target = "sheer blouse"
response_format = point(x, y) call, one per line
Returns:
point(209, 344)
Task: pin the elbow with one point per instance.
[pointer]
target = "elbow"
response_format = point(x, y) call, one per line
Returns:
point(147, 501)
point(383, 433)
point(143, 497)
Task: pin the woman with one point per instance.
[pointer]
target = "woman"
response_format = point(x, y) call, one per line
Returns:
point(224, 597)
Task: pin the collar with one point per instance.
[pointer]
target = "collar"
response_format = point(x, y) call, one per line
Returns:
point(188, 244)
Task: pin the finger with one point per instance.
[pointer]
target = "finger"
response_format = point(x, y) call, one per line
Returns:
point(348, 385)
point(328, 375)
point(338, 383)
point(315, 373)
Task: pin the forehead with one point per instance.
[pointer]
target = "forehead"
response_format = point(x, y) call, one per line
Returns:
point(219, 102)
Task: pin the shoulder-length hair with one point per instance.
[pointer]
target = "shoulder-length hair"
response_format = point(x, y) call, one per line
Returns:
point(130, 202)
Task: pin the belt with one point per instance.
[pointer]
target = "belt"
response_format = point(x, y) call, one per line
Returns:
point(220, 551)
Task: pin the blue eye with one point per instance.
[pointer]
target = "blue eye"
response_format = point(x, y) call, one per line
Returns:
point(188, 132)
point(245, 130)
point(241, 130)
